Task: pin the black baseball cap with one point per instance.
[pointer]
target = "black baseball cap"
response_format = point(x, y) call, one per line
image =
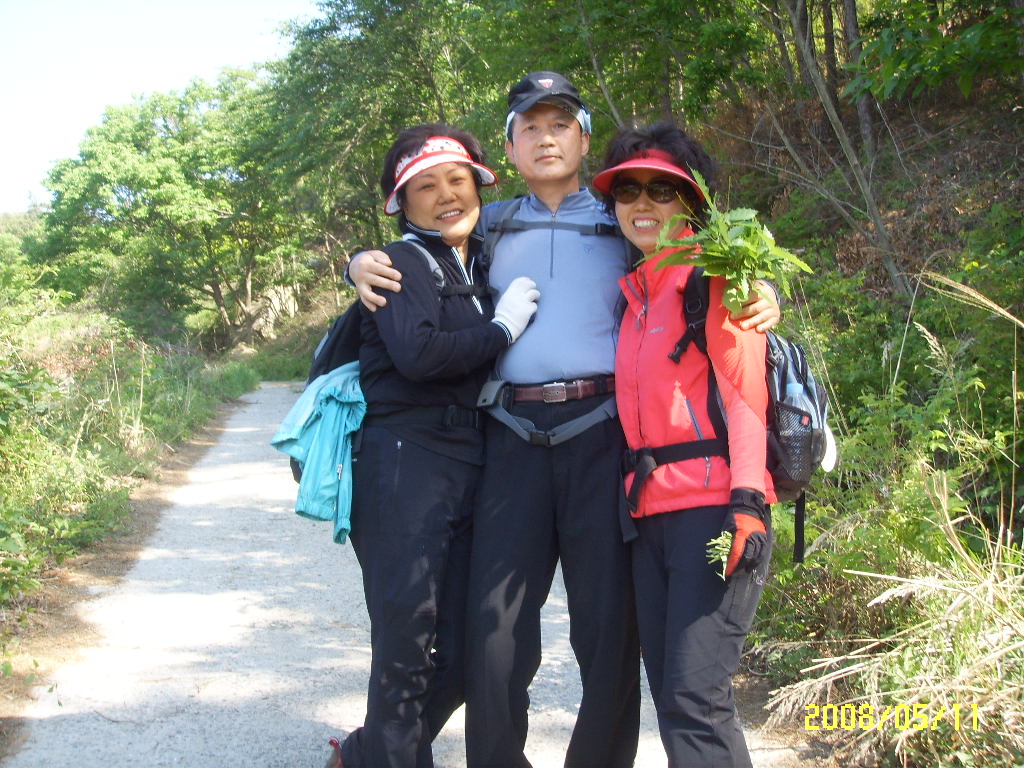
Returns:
point(549, 88)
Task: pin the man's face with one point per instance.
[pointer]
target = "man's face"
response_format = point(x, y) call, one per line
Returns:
point(547, 145)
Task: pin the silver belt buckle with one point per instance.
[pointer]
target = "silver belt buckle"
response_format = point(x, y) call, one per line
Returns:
point(553, 392)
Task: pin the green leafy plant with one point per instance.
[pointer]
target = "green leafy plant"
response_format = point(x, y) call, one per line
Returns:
point(733, 245)
point(918, 46)
point(85, 407)
point(718, 550)
point(959, 662)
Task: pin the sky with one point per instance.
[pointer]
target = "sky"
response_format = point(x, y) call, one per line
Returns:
point(62, 62)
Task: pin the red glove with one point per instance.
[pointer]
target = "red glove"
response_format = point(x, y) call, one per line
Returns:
point(745, 520)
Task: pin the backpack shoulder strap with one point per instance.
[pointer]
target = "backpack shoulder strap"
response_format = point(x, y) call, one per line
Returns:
point(466, 289)
point(695, 312)
point(432, 266)
point(696, 300)
point(498, 227)
point(444, 288)
point(597, 228)
point(507, 222)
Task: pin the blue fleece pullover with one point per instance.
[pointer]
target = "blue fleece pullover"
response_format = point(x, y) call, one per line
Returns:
point(574, 332)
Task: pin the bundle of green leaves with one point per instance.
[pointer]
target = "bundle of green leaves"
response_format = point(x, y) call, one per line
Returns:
point(718, 551)
point(734, 245)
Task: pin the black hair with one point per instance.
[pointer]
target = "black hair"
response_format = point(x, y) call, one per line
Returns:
point(411, 139)
point(685, 150)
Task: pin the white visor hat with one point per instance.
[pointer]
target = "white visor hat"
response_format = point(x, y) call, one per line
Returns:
point(435, 151)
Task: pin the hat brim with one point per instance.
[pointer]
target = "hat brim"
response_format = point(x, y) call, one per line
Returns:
point(604, 180)
point(485, 175)
point(527, 101)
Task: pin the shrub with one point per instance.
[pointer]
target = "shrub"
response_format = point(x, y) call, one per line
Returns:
point(86, 408)
point(925, 501)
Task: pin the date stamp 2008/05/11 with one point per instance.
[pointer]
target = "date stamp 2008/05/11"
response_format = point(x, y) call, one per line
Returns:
point(901, 717)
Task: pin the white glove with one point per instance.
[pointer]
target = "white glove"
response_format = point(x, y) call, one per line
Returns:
point(516, 306)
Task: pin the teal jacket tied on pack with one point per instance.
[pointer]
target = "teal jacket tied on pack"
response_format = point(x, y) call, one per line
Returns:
point(317, 432)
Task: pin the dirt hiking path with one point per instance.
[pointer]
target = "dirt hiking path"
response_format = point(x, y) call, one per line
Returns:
point(239, 636)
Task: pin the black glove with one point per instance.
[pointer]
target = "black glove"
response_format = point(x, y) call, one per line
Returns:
point(747, 520)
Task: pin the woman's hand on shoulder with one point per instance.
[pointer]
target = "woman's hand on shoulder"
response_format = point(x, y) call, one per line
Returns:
point(760, 311)
point(372, 269)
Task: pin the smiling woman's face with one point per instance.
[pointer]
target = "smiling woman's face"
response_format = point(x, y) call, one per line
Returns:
point(444, 198)
point(642, 219)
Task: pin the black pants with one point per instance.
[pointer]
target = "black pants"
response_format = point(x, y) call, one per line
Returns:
point(411, 530)
point(537, 506)
point(692, 629)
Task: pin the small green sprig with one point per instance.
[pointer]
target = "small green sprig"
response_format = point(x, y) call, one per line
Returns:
point(734, 245)
point(718, 550)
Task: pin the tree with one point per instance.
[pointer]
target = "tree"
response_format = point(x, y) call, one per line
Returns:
point(159, 216)
point(338, 100)
point(865, 122)
point(913, 46)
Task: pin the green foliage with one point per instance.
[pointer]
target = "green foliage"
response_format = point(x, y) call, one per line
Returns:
point(923, 498)
point(721, 61)
point(185, 212)
point(23, 390)
point(279, 364)
point(14, 274)
point(164, 212)
point(915, 46)
point(959, 659)
point(19, 278)
point(734, 245)
point(21, 225)
point(86, 407)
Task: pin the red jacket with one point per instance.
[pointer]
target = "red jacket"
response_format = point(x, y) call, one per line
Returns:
point(661, 402)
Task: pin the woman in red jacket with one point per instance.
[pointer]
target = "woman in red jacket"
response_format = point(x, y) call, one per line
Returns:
point(692, 622)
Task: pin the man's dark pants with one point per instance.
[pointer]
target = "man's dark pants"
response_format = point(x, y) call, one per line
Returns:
point(538, 506)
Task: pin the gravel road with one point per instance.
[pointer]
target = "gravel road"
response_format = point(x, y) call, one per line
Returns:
point(240, 637)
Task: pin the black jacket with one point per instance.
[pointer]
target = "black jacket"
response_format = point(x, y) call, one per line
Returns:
point(424, 351)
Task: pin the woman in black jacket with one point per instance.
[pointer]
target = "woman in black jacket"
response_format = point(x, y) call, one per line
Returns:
point(422, 361)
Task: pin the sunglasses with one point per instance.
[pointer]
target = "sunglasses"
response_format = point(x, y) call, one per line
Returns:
point(659, 190)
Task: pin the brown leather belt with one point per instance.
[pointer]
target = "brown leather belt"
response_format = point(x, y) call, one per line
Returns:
point(560, 391)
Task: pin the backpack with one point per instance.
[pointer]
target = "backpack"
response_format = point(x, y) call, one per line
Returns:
point(797, 418)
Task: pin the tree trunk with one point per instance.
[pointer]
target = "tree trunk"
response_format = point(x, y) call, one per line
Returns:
point(802, 32)
point(250, 319)
point(596, 64)
point(218, 299)
point(1018, 5)
point(865, 119)
point(439, 99)
point(329, 250)
point(899, 281)
point(666, 90)
point(829, 33)
point(787, 63)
